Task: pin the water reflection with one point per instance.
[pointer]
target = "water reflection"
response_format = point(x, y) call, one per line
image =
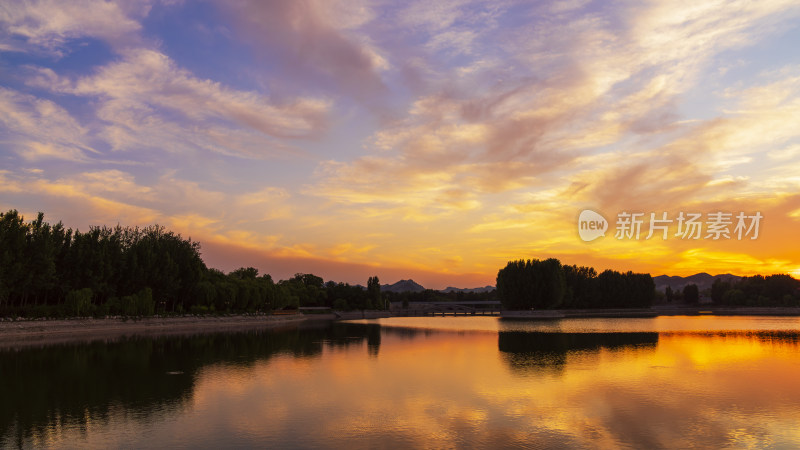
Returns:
point(78, 385)
point(649, 385)
point(342, 335)
point(524, 351)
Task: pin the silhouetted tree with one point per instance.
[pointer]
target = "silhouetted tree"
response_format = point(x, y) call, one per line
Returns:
point(691, 294)
point(374, 292)
point(548, 284)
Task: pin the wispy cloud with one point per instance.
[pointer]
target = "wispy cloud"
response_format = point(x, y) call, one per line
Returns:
point(140, 95)
point(40, 129)
point(317, 42)
point(445, 136)
point(48, 25)
point(616, 75)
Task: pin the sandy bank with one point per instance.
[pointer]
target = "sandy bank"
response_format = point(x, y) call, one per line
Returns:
point(34, 332)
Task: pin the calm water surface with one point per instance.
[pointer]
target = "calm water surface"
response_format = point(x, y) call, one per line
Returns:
point(417, 382)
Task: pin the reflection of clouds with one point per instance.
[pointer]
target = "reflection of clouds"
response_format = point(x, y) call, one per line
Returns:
point(442, 388)
point(660, 324)
point(689, 389)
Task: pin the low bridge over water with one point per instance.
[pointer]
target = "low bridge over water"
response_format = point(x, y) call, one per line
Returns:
point(477, 308)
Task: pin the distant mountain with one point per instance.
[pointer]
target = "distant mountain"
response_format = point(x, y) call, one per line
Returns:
point(403, 286)
point(475, 290)
point(702, 280)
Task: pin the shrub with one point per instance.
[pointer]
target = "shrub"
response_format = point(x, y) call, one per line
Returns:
point(79, 302)
point(139, 304)
point(340, 304)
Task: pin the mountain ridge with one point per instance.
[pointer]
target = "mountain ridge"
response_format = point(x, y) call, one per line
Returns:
point(412, 286)
point(403, 286)
point(703, 280)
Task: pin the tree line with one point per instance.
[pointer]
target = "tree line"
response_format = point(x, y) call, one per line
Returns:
point(758, 290)
point(690, 294)
point(52, 271)
point(547, 284)
point(432, 295)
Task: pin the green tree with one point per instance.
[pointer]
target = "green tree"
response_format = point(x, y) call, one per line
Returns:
point(691, 293)
point(374, 292)
point(242, 273)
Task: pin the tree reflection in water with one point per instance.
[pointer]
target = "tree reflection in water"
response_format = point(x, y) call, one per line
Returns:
point(78, 384)
point(526, 351)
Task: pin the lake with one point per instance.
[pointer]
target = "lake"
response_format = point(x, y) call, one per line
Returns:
point(444, 382)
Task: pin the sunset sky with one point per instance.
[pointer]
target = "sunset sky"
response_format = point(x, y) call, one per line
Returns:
point(433, 140)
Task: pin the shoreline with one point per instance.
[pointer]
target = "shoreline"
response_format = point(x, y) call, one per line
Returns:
point(22, 333)
point(652, 312)
point(33, 332)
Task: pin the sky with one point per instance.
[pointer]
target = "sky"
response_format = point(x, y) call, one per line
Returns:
point(433, 140)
